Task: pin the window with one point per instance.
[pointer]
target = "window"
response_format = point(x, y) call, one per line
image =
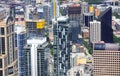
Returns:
point(22, 19)
point(1, 73)
point(0, 64)
point(2, 30)
point(3, 45)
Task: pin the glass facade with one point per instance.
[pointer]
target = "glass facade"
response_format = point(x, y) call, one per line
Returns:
point(106, 26)
point(21, 43)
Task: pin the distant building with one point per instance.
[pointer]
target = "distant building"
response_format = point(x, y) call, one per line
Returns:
point(87, 18)
point(36, 57)
point(95, 31)
point(106, 25)
point(61, 46)
point(77, 59)
point(47, 13)
point(74, 12)
point(85, 33)
point(77, 71)
point(106, 59)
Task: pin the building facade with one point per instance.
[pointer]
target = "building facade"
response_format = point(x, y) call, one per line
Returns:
point(35, 54)
point(20, 40)
point(87, 18)
point(106, 25)
point(95, 32)
point(106, 59)
point(61, 46)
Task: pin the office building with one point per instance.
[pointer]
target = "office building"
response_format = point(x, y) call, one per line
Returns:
point(62, 46)
point(95, 31)
point(3, 49)
point(11, 48)
point(20, 40)
point(106, 25)
point(106, 58)
point(35, 55)
point(74, 12)
point(8, 51)
point(35, 28)
point(87, 18)
point(47, 14)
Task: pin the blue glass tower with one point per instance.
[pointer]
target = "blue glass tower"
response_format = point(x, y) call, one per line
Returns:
point(20, 40)
point(106, 26)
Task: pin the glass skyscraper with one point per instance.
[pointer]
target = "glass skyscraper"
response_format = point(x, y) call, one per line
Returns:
point(106, 25)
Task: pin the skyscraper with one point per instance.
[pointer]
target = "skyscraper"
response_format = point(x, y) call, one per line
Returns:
point(61, 46)
point(20, 40)
point(95, 31)
point(106, 59)
point(11, 48)
point(8, 50)
point(106, 25)
point(35, 54)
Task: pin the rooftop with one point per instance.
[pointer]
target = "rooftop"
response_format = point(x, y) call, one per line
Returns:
point(62, 18)
point(37, 40)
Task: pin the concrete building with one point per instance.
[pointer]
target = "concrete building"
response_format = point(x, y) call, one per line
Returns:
point(77, 59)
point(36, 57)
point(76, 71)
point(106, 59)
point(95, 31)
point(62, 46)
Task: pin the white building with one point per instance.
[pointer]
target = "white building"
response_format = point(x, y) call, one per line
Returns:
point(36, 57)
point(76, 71)
point(95, 31)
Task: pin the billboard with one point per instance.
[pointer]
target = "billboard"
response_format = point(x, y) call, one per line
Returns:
point(40, 24)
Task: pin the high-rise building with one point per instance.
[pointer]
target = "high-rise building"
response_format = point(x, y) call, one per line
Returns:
point(62, 46)
point(87, 18)
point(3, 49)
point(106, 25)
point(106, 59)
point(95, 31)
point(11, 48)
point(47, 8)
point(35, 54)
point(8, 50)
point(20, 40)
